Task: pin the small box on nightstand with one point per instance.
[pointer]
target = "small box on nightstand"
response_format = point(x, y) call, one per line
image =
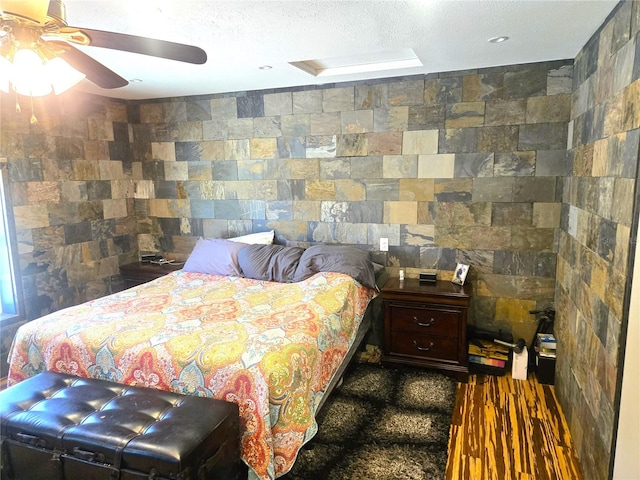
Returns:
point(429, 277)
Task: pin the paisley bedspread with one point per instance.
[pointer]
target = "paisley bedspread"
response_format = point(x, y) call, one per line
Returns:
point(271, 348)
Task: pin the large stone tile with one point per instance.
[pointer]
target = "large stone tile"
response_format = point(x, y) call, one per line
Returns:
point(418, 189)
point(453, 190)
point(465, 115)
point(295, 125)
point(391, 119)
point(352, 145)
point(232, 129)
point(420, 142)
point(321, 146)
point(371, 96)
point(278, 104)
point(383, 189)
point(525, 83)
point(523, 287)
point(462, 213)
point(250, 106)
point(534, 189)
point(426, 117)
point(290, 189)
point(505, 112)
point(279, 210)
point(350, 190)
point(493, 189)
point(497, 139)
point(399, 166)
point(514, 164)
point(291, 147)
point(237, 150)
point(266, 127)
point(457, 140)
point(417, 235)
point(550, 163)
point(560, 81)
point(338, 99)
point(358, 121)
point(532, 239)
point(190, 131)
point(261, 148)
point(483, 87)
point(516, 214)
point(443, 90)
point(384, 143)
point(542, 136)
point(404, 212)
point(309, 101)
point(410, 92)
point(224, 108)
point(548, 109)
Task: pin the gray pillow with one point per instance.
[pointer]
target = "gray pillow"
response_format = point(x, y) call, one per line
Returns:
point(345, 259)
point(273, 263)
point(215, 256)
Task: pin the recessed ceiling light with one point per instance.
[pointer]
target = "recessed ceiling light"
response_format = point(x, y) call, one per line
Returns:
point(265, 67)
point(501, 39)
point(135, 80)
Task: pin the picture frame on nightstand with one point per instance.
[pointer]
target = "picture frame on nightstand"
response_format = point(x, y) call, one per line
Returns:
point(460, 274)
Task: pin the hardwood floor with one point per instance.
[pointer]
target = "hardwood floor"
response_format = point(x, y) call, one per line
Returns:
point(509, 429)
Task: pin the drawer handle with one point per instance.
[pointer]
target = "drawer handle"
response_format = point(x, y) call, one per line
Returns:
point(31, 440)
point(423, 349)
point(88, 456)
point(420, 324)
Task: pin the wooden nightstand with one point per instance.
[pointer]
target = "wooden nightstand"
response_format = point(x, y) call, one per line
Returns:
point(425, 325)
point(137, 273)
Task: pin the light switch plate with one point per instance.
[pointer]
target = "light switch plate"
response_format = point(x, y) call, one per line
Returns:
point(384, 244)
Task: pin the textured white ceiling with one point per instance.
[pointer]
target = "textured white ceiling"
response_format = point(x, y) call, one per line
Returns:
point(239, 36)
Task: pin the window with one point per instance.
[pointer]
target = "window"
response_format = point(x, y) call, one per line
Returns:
point(8, 254)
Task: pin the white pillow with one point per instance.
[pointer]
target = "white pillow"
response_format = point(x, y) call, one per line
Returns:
point(261, 238)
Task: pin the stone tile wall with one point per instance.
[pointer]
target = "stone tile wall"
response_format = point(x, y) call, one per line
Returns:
point(597, 215)
point(455, 167)
point(465, 167)
point(72, 193)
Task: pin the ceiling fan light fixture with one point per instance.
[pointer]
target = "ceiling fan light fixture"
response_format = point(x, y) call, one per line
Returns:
point(62, 75)
point(35, 72)
point(29, 76)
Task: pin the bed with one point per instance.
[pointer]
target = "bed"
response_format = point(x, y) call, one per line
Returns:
point(271, 330)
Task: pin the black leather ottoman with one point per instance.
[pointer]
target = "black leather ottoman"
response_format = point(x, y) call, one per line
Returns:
point(57, 426)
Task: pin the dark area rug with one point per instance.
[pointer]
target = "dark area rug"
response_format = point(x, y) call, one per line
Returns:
point(382, 424)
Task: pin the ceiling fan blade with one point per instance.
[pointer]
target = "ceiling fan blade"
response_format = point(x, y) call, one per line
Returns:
point(94, 70)
point(135, 44)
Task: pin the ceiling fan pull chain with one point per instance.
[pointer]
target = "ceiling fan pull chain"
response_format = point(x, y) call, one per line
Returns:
point(33, 118)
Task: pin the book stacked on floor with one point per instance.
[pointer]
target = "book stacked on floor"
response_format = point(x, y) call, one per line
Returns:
point(546, 345)
point(488, 357)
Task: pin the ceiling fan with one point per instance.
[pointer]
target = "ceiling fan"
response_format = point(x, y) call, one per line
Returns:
point(41, 25)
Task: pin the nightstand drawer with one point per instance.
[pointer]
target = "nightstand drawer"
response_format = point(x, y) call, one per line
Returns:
point(424, 321)
point(428, 346)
